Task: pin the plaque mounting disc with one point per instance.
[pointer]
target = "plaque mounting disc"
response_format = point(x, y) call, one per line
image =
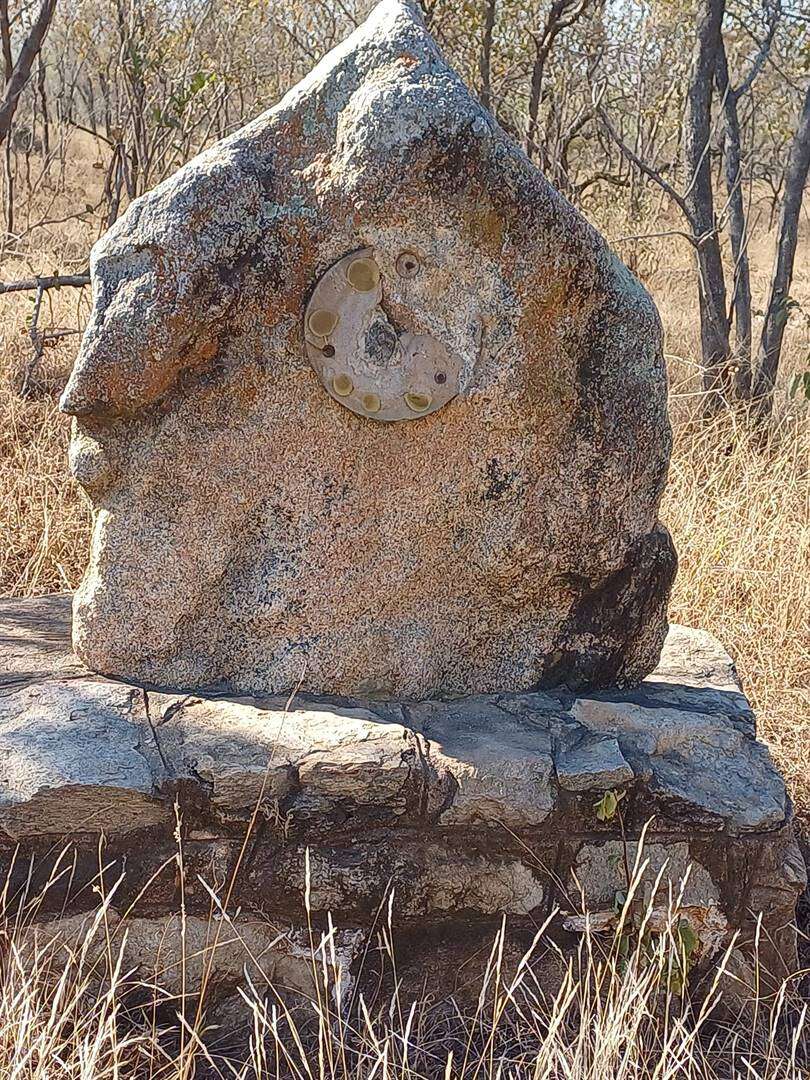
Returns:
point(366, 361)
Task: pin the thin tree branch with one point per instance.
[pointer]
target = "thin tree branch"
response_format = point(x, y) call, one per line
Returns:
point(40, 284)
point(643, 167)
point(22, 68)
point(764, 50)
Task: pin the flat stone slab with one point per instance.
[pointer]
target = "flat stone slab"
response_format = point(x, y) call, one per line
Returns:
point(469, 808)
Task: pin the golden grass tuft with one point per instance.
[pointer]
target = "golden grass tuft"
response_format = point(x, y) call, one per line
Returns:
point(739, 515)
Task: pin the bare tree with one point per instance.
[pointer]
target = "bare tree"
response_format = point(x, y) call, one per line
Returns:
point(737, 217)
point(776, 313)
point(699, 199)
point(5, 41)
point(21, 69)
point(561, 14)
point(725, 377)
point(485, 55)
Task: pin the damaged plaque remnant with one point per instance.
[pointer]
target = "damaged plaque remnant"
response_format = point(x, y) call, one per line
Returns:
point(361, 357)
point(364, 401)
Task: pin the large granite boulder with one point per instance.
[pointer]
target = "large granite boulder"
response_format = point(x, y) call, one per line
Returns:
point(469, 809)
point(364, 403)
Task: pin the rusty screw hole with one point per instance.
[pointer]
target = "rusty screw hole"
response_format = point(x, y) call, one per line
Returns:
point(407, 265)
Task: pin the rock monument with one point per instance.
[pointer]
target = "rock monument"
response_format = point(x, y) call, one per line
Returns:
point(367, 411)
point(364, 402)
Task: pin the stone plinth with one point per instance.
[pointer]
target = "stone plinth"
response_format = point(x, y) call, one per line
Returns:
point(469, 808)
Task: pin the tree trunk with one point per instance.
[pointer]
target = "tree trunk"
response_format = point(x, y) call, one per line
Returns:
point(700, 203)
point(561, 15)
point(9, 183)
point(22, 69)
point(738, 231)
point(776, 313)
point(43, 98)
point(5, 42)
point(485, 57)
point(542, 49)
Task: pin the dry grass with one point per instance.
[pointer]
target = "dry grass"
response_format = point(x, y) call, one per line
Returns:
point(739, 515)
point(739, 512)
point(44, 520)
point(71, 1007)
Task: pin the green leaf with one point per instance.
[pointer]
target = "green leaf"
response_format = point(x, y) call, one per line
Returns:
point(688, 937)
point(607, 806)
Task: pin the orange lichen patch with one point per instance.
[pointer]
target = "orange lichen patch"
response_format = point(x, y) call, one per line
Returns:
point(154, 383)
point(208, 350)
point(549, 378)
point(301, 262)
point(125, 388)
point(290, 130)
point(544, 303)
point(487, 228)
point(318, 174)
point(248, 388)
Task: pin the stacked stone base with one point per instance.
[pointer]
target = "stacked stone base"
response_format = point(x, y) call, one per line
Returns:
point(458, 812)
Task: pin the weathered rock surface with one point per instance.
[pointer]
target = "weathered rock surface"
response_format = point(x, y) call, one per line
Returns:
point(468, 808)
point(364, 402)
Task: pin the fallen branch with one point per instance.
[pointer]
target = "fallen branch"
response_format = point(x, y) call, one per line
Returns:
point(653, 236)
point(39, 284)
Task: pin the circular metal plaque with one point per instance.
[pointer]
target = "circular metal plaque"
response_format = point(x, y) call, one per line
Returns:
point(367, 363)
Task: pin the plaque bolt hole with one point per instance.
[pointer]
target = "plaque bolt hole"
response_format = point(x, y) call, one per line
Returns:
point(418, 402)
point(363, 275)
point(407, 265)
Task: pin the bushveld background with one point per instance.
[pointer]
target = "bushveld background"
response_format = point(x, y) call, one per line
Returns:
point(602, 96)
